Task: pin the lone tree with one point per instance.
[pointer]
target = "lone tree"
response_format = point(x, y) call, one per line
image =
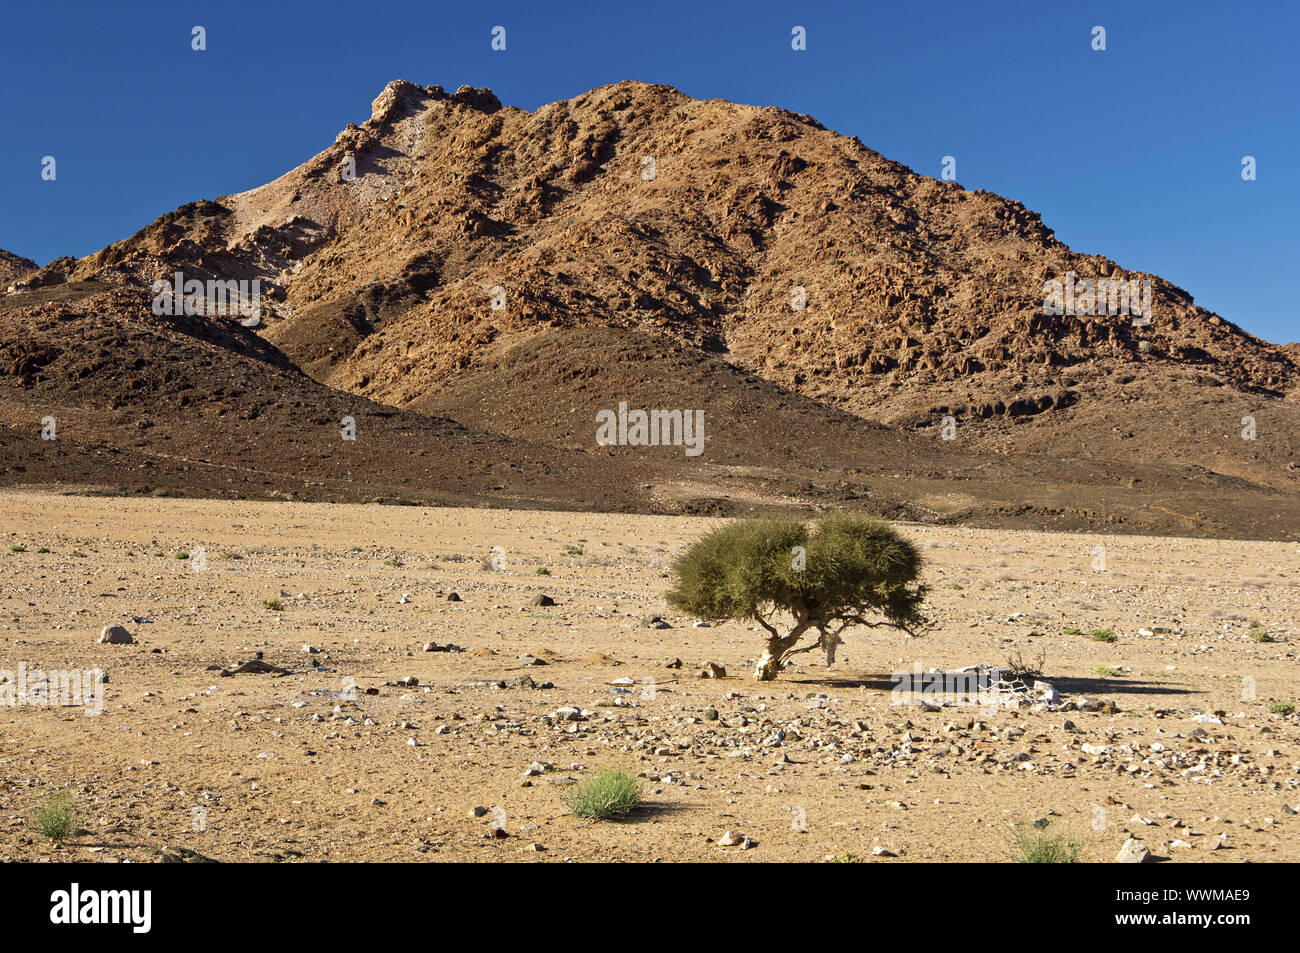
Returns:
point(843, 569)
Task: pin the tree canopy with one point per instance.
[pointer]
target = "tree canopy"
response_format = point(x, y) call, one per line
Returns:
point(839, 569)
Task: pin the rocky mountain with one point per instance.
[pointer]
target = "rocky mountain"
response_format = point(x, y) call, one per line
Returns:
point(505, 268)
point(13, 267)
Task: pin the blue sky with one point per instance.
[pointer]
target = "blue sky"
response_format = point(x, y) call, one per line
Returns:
point(1134, 152)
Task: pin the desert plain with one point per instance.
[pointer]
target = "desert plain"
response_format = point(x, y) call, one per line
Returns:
point(374, 749)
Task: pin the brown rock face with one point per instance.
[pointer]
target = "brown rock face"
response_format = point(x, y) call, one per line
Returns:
point(448, 243)
point(12, 268)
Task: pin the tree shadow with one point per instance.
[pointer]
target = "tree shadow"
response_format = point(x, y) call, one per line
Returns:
point(1064, 684)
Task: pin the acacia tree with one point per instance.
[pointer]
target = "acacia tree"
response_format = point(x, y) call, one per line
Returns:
point(840, 570)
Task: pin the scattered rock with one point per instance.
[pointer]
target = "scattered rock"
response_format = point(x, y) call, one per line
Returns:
point(115, 635)
point(255, 666)
point(1133, 852)
point(182, 855)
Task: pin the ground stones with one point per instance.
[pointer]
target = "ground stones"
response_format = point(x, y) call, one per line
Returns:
point(1133, 852)
point(115, 635)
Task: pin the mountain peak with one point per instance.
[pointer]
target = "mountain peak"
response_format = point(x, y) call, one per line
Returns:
point(446, 232)
point(13, 267)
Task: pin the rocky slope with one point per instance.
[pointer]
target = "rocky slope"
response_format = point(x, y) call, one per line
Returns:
point(427, 250)
point(13, 267)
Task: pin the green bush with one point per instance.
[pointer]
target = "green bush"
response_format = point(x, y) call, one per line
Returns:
point(611, 792)
point(843, 569)
point(1038, 845)
point(55, 817)
point(1103, 635)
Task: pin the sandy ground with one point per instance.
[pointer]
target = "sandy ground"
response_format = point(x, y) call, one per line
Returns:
point(310, 766)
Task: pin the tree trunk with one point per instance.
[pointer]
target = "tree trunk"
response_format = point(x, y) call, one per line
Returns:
point(830, 641)
point(770, 662)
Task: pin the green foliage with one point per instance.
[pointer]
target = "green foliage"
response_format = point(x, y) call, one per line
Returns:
point(1281, 708)
point(55, 817)
point(1105, 671)
point(839, 570)
point(1103, 635)
point(1257, 632)
point(1038, 845)
point(275, 605)
point(611, 792)
point(852, 566)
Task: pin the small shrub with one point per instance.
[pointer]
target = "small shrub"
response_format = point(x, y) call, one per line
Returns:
point(395, 563)
point(1039, 845)
point(78, 553)
point(1105, 671)
point(1103, 635)
point(1072, 630)
point(542, 571)
point(1025, 669)
point(43, 549)
point(1281, 708)
point(275, 605)
point(18, 549)
point(55, 817)
point(847, 858)
point(182, 555)
point(1257, 632)
point(611, 792)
